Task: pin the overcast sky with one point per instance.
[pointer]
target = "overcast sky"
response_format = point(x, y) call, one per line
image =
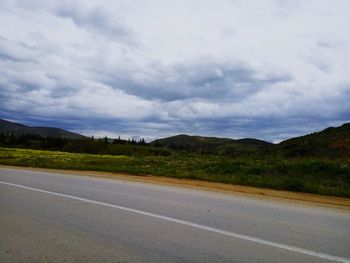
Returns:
point(270, 69)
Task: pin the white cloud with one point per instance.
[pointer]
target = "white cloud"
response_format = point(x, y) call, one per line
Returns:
point(227, 67)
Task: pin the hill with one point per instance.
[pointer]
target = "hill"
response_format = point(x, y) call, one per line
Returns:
point(213, 145)
point(7, 127)
point(332, 142)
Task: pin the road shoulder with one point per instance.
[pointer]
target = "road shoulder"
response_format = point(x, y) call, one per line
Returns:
point(247, 191)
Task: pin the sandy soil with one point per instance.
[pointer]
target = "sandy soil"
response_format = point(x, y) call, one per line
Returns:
point(253, 192)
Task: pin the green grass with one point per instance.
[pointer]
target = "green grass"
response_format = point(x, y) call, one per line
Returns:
point(321, 176)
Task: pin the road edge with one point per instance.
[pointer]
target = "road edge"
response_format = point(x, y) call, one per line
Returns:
point(247, 191)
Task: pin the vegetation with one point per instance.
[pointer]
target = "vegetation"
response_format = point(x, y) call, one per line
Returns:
point(316, 163)
point(20, 129)
point(213, 145)
point(85, 145)
point(331, 142)
point(313, 175)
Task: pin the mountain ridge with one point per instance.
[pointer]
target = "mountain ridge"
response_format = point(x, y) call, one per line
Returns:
point(217, 145)
point(20, 129)
point(332, 142)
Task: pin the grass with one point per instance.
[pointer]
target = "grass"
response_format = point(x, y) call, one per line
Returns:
point(320, 176)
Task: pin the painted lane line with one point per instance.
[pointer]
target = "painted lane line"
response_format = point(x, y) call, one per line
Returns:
point(188, 223)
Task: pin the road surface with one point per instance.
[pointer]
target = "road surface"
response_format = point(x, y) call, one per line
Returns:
point(50, 217)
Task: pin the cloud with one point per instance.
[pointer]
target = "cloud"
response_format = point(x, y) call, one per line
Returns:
point(148, 68)
point(98, 19)
point(219, 80)
point(13, 51)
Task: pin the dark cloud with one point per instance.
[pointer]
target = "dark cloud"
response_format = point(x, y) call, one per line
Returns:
point(326, 44)
point(98, 68)
point(99, 20)
point(207, 79)
point(4, 56)
point(14, 52)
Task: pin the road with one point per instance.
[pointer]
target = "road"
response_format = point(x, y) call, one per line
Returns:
point(54, 217)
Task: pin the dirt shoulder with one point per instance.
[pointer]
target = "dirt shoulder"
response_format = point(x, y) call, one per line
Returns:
point(248, 191)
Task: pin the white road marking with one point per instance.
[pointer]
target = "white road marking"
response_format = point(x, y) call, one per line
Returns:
point(188, 223)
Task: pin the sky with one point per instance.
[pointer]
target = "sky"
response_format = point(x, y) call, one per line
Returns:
point(269, 69)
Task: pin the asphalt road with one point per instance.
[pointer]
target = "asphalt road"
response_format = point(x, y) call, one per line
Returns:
point(49, 217)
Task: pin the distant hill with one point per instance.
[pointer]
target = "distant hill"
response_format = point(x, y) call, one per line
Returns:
point(331, 142)
point(20, 129)
point(213, 145)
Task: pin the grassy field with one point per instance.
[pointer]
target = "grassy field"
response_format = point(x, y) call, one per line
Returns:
point(321, 176)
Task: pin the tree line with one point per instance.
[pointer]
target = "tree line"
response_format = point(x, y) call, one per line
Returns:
point(86, 145)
